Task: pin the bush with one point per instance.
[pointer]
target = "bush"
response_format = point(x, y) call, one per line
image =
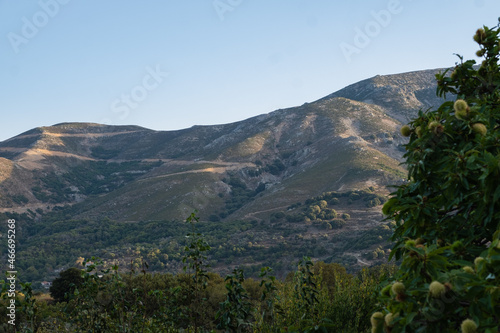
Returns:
point(337, 224)
point(65, 284)
point(447, 215)
point(334, 201)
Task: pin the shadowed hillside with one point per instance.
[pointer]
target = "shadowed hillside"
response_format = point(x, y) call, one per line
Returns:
point(269, 171)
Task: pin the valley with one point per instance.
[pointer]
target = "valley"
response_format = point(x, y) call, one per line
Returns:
point(307, 180)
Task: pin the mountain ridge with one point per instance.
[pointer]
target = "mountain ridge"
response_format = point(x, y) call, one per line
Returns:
point(352, 116)
point(311, 176)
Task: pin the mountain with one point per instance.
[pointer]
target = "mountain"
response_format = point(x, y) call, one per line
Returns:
point(268, 170)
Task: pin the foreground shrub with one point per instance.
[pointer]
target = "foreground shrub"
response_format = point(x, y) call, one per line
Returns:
point(448, 213)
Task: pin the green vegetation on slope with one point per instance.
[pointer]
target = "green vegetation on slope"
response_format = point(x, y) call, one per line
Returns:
point(100, 299)
point(88, 178)
point(56, 240)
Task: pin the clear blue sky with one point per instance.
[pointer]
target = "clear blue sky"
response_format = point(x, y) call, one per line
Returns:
point(172, 64)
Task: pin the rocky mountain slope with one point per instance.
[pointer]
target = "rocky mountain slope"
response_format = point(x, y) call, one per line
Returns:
point(244, 171)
